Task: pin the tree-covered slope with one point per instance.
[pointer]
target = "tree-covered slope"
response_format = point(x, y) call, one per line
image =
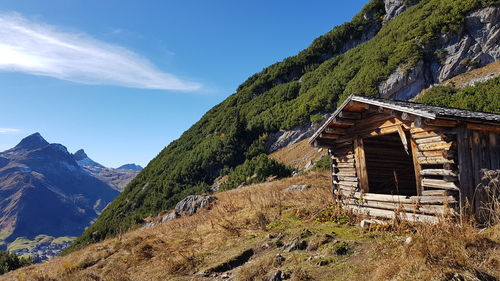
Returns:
point(282, 96)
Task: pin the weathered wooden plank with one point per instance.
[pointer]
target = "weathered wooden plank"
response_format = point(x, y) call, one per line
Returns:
point(402, 135)
point(344, 160)
point(476, 161)
point(434, 160)
point(373, 212)
point(344, 178)
point(340, 157)
point(436, 192)
point(399, 198)
point(465, 167)
point(345, 165)
point(494, 149)
point(346, 183)
point(359, 155)
point(344, 174)
point(448, 154)
point(483, 127)
point(438, 172)
point(342, 122)
point(429, 140)
point(327, 136)
point(441, 123)
point(440, 145)
point(336, 131)
point(425, 134)
point(411, 208)
point(435, 183)
point(416, 165)
point(350, 115)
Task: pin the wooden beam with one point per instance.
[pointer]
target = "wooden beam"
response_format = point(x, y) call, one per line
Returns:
point(431, 200)
point(438, 172)
point(429, 140)
point(328, 136)
point(342, 122)
point(434, 160)
point(436, 192)
point(335, 131)
point(483, 127)
point(411, 208)
point(392, 215)
point(441, 184)
point(350, 115)
point(402, 135)
point(416, 165)
point(440, 145)
point(441, 123)
point(359, 155)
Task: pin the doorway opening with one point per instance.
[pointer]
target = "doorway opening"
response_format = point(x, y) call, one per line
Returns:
point(389, 167)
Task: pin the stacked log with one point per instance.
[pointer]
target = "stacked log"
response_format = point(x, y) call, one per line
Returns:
point(344, 166)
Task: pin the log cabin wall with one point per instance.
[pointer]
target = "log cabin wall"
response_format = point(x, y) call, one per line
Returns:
point(478, 149)
point(432, 159)
point(447, 147)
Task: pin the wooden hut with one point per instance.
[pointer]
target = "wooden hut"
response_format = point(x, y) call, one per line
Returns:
point(415, 161)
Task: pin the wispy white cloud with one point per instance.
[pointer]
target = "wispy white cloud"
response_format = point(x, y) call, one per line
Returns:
point(35, 48)
point(9, 131)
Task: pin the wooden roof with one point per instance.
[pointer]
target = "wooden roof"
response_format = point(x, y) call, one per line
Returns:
point(355, 104)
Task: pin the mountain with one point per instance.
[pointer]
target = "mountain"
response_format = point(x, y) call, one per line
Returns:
point(84, 161)
point(117, 178)
point(130, 166)
point(392, 49)
point(42, 182)
point(45, 191)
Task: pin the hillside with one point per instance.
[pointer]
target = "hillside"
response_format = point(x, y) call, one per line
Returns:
point(380, 52)
point(253, 232)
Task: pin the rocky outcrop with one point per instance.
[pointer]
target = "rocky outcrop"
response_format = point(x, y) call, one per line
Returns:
point(297, 187)
point(404, 85)
point(475, 45)
point(394, 8)
point(186, 207)
point(192, 204)
point(282, 138)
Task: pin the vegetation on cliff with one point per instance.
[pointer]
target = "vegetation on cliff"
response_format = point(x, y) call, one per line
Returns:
point(484, 96)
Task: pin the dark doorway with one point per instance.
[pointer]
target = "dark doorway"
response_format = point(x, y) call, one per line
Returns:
point(390, 168)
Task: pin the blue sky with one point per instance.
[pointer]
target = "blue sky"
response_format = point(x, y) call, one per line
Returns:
point(122, 79)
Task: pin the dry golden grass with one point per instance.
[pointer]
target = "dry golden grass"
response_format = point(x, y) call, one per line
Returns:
point(492, 69)
point(298, 155)
point(241, 219)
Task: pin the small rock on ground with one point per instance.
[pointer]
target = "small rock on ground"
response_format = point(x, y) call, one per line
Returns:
point(298, 187)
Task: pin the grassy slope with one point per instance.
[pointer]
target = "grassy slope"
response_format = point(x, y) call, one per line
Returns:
point(241, 219)
point(275, 99)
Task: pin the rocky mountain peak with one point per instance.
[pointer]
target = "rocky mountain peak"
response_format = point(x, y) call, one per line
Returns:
point(80, 155)
point(31, 142)
point(130, 166)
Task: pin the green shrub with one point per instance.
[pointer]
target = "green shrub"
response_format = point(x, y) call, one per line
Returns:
point(10, 262)
point(255, 170)
point(317, 118)
point(484, 96)
point(323, 164)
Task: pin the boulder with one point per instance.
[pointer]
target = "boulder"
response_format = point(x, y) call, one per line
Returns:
point(297, 187)
point(278, 276)
point(192, 204)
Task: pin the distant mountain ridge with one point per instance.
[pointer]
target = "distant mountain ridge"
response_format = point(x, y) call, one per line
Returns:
point(131, 166)
point(44, 189)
